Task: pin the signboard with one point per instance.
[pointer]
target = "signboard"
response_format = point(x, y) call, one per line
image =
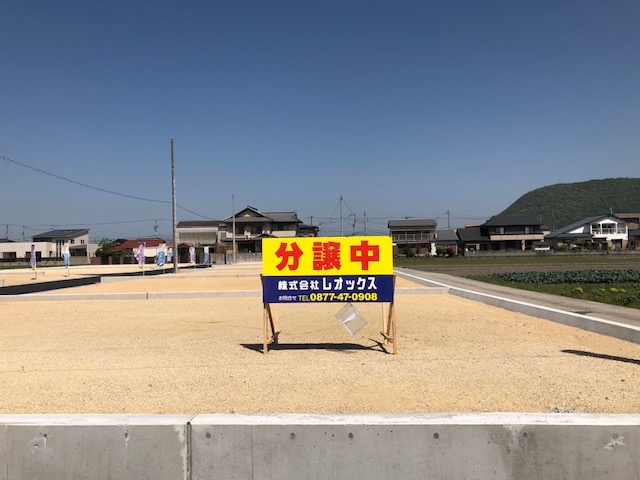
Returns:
point(327, 269)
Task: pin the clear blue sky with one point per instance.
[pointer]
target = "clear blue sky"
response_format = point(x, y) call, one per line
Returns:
point(405, 108)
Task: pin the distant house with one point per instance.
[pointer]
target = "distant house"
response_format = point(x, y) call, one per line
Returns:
point(447, 240)
point(308, 230)
point(502, 233)
point(199, 232)
point(252, 225)
point(50, 246)
point(414, 236)
point(632, 219)
point(129, 248)
point(599, 231)
point(77, 239)
point(634, 240)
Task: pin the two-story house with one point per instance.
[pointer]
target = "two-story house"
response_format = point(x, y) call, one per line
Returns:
point(249, 226)
point(599, 232)
point(413, 236)
point(51, 245)
point(501, 233)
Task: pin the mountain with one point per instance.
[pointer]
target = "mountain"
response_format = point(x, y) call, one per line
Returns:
point(562, 204)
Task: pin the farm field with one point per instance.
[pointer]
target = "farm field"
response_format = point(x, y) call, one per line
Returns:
point(607, 279)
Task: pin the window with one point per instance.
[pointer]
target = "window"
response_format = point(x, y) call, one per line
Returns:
point(239, 229)
point(256, 230)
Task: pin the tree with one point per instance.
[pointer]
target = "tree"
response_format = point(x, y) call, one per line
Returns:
point(105, 246)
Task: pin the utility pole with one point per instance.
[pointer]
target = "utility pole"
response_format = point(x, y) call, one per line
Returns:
point(448, 220)
point(365, 222)
point(341, 219)
point(173, 210)
point(233, 223)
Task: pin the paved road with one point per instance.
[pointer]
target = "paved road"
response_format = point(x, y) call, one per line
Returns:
point(629, 316)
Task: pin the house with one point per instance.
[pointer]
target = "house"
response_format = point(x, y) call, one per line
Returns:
point(130, 247)
point(446, 241)
point(502, 233)
point(597, 232)
point(632, 219)
point(204, 233)
point(413, 236)
point(634, 240)
point(248, 227)
point(308, 230)
point(50, 246)
point(77, 239)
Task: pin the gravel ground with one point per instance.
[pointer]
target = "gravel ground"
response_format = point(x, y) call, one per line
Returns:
point(205, 355)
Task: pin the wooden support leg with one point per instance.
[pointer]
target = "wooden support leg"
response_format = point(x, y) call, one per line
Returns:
point(265, 329)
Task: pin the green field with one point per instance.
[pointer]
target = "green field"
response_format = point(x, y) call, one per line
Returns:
point(600, 278)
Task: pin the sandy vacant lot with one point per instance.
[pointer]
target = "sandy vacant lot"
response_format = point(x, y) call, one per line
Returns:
point(204, 355)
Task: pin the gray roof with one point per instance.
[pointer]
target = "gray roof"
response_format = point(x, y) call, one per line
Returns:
point(71, 233)
point(279, 217)
point(510, 220)
point(198, 223)
point(472, 234)
point(412, 223)
point(445, 236)
point(283, 217)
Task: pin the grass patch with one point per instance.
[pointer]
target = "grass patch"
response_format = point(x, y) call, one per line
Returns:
point(622, 294)
point(528, 260)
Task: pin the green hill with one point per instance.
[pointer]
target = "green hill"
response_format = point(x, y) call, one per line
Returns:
point(565, 203)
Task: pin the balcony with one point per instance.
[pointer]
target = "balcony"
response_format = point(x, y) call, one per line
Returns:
point(412, 237)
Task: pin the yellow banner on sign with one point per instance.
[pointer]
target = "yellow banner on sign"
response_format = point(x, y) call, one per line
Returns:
point(318, 256)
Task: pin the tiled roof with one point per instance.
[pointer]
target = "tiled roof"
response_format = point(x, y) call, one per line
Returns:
point(131, 244)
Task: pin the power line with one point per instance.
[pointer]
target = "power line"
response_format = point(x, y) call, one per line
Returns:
point(93, 187)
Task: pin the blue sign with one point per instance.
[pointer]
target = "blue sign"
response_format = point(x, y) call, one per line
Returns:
point(345, 288)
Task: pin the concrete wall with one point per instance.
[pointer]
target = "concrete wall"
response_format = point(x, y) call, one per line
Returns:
point(436, 446)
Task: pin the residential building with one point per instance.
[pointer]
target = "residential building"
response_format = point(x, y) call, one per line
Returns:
point(50, 246)
point(596, 232)
point(308, 230)
point(204, 233)
point(129, 248)
point(413, 236)
point(502, 233)
point(252, 225)
point(446, 241)
point(634, 240)
point(77, 239)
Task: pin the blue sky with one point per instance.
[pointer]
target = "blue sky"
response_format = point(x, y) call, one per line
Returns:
point(405, 108)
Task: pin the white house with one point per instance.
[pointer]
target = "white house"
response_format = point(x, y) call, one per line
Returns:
point(603, 231)
point(50, 246)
